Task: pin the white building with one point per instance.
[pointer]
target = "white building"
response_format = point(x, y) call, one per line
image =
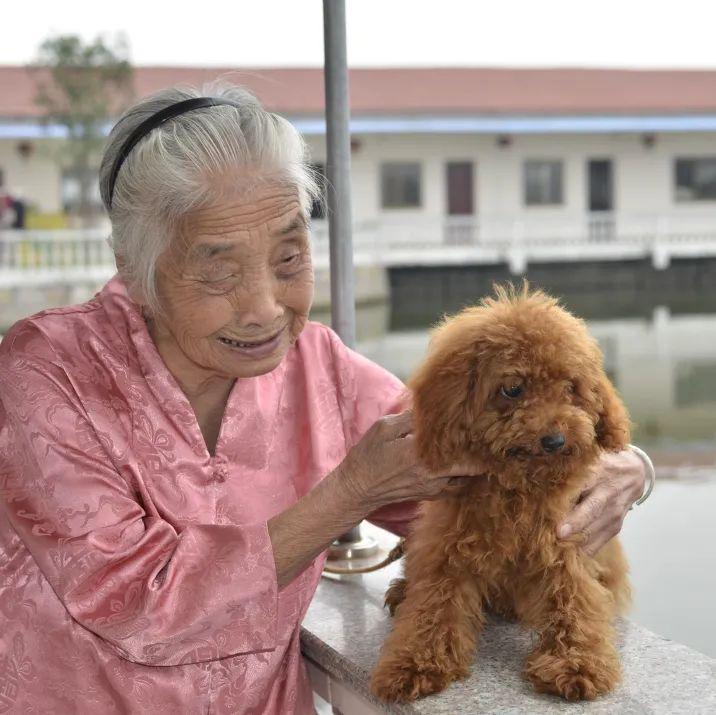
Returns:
point(465, 154)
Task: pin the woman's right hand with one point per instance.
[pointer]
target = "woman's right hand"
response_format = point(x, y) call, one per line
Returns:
point(383, 467)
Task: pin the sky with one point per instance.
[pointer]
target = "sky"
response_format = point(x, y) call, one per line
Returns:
point(289, 33)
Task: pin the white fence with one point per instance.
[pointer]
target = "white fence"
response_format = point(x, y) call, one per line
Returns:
point(54, 257)
point(32, 250)
point(37, 257)
point(519, 241)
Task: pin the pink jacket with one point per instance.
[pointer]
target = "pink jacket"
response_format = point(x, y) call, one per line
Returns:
point(136, 570)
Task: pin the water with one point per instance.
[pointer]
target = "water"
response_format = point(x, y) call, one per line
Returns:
point(670, 541)
point(664, 366)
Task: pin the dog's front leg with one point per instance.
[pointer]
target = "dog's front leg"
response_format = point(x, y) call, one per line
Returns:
point(576, 656)
point(434, 636)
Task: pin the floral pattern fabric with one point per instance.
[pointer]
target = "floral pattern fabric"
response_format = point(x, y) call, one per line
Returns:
point(136, 569)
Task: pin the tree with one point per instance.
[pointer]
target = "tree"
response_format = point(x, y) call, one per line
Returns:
point(81, 87)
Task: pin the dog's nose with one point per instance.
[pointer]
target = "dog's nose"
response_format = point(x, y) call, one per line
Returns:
point(552, 442)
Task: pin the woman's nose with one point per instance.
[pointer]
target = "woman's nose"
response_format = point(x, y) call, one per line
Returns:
point(258, 305)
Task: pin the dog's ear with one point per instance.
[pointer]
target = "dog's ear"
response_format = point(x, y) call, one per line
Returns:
point(613, 426)
point(444, 407)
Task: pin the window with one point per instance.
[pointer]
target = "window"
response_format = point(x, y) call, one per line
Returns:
point(400, 185)
point(318, 209)
point(696, 179)
point(543, 183)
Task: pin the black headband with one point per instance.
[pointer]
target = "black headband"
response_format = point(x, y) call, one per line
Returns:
point(153, 122)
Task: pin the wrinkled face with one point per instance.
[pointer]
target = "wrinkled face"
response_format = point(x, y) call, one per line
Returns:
point(238, 287)
point(519, 387)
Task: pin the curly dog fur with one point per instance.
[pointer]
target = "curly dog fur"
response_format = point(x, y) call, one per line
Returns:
point(498, 378)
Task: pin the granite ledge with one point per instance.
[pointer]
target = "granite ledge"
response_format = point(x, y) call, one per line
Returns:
point(346, 625)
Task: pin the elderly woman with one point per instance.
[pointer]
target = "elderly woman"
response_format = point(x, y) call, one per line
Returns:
point(177, 453)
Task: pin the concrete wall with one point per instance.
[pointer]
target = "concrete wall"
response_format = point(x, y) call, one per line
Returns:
point(644, 182)
point(37, 177)
point(594, 290)
point(643, 177)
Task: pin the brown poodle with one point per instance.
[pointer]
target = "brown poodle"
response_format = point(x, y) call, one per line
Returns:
point(514, 386)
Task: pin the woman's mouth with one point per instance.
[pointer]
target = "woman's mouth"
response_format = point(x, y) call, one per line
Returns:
point(254, 349)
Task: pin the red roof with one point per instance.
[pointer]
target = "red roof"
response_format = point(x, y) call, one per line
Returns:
point(298, 91)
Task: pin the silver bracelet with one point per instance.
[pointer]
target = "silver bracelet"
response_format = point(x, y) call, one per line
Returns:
point(648, 464)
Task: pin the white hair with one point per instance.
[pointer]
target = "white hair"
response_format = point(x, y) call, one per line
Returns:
point(177, 167)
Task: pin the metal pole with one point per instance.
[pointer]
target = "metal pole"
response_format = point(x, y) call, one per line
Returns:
point(338, 171)
point(338, 194)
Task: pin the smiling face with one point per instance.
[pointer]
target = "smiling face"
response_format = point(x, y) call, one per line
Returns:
point(240, 274)
point(517, 385)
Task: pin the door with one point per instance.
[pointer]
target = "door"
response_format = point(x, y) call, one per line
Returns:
point(459, 226)
point(600, 189)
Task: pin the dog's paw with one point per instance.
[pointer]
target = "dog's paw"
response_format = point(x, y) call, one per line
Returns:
point(406, 681)
point(577, 677)
point(395, 594)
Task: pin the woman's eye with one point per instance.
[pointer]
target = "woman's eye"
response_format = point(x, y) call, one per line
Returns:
point(220, 284)
point(291, 259)
point(511, 391)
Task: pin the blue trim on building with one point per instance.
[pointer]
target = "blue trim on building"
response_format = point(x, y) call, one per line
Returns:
point(18, 130)
point(432, 124)
point(517, 125)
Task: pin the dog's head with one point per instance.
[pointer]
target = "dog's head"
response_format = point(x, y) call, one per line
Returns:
point(517, 385)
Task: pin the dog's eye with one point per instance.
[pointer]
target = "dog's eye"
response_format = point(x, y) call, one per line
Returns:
point(511, 390)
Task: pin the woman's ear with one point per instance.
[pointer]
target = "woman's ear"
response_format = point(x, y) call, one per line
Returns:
point(613, 426)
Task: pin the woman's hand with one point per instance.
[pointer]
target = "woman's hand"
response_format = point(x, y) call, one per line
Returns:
point(616, 483)
point(383, 467)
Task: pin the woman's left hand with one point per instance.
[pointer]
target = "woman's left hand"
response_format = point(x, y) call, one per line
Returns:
point(616, 482)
